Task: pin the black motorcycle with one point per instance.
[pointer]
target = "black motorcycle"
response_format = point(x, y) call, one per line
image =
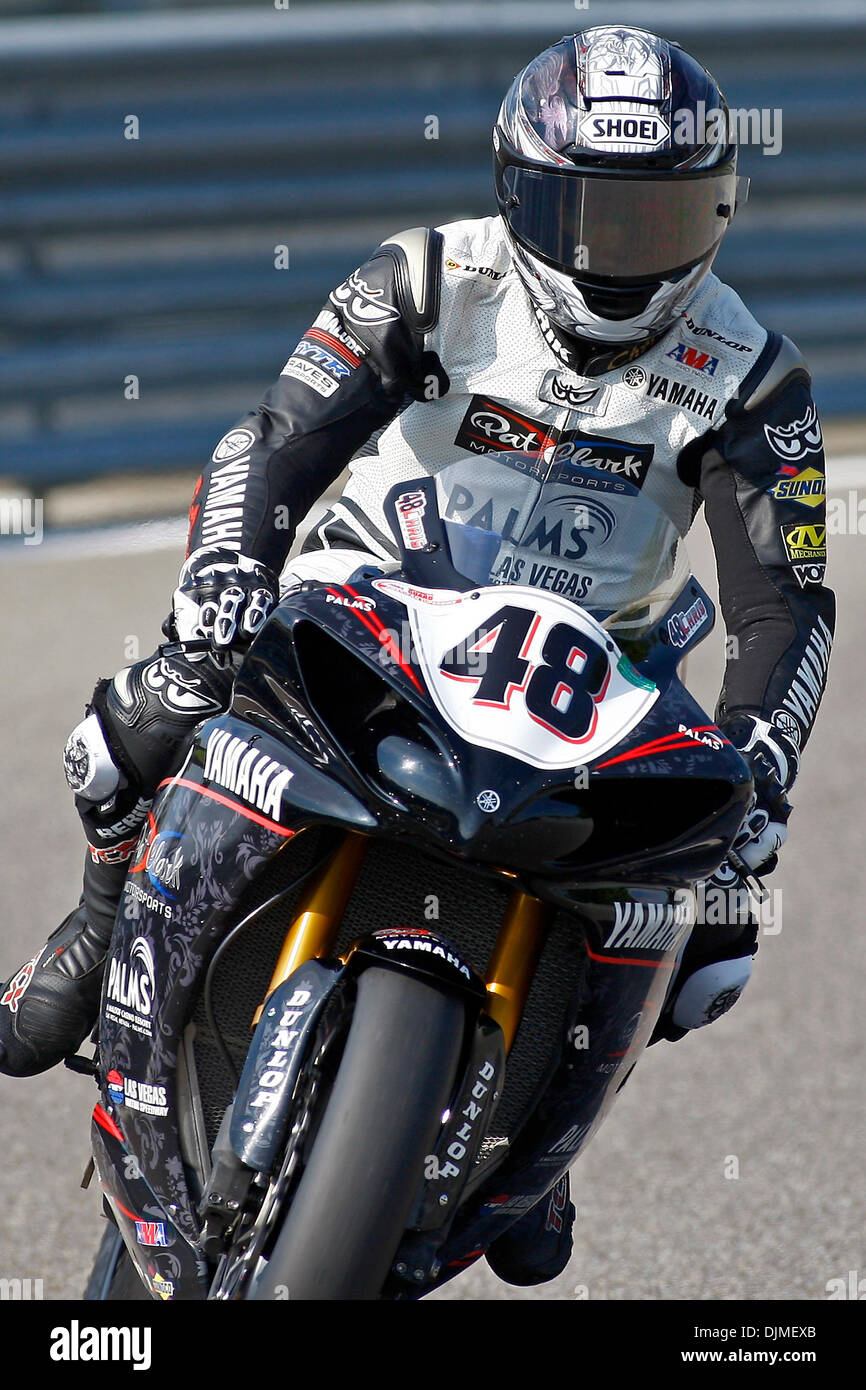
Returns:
point(404, 918)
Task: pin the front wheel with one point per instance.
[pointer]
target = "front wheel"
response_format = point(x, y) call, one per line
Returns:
point(366, 1163)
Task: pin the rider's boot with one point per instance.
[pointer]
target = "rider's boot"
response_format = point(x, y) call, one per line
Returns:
point(538, 1246)
point(50, 1005)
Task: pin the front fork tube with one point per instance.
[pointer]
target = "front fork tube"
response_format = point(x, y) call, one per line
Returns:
point(313, 932)
point(511, 967)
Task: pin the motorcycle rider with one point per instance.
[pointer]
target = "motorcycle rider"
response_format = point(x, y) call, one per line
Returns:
point(586, 310)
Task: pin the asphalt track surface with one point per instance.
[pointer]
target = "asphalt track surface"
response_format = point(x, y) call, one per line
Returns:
point(776, 1085)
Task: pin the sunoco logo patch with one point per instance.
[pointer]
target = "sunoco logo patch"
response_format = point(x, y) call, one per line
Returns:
point(807, 488)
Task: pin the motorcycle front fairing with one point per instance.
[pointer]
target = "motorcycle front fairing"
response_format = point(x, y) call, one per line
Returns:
point(504, 723)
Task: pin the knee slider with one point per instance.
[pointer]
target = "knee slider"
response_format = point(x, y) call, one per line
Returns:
point(710, 991)
point(91, 771)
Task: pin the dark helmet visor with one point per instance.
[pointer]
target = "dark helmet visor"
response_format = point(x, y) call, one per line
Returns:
point(622, 227)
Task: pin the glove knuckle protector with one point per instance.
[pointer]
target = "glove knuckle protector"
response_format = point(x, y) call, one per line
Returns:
point(216, 590)
point(710, 991)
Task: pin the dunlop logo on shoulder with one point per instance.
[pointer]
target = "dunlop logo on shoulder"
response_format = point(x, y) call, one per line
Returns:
point(700, 331)
point(245, 772)
point(475, 269)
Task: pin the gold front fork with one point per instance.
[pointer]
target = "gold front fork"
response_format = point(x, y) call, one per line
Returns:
point(510, 969)
point(515, 956)
point(314, 930)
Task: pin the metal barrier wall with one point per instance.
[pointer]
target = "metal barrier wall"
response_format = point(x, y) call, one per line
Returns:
point(182, 190)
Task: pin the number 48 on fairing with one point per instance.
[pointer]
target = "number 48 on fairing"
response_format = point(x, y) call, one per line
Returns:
point(535, 677)
point(560, 690)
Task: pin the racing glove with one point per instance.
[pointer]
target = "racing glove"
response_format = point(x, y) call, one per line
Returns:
point(223, 598)
point(774, 759)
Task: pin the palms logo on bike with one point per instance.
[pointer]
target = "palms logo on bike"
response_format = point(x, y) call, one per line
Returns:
point(527, 674)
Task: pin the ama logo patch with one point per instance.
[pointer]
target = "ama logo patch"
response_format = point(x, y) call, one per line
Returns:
point(694, 358)
point(151, 1233)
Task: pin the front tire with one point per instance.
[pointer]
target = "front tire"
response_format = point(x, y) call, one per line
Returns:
point(366, 1164)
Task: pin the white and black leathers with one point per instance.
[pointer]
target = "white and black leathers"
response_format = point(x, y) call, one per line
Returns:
point(432, 349)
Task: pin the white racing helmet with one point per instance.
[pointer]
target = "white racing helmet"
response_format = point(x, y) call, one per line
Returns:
point(616, 180)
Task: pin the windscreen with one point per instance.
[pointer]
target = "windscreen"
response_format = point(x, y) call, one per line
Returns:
point(553, 523)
